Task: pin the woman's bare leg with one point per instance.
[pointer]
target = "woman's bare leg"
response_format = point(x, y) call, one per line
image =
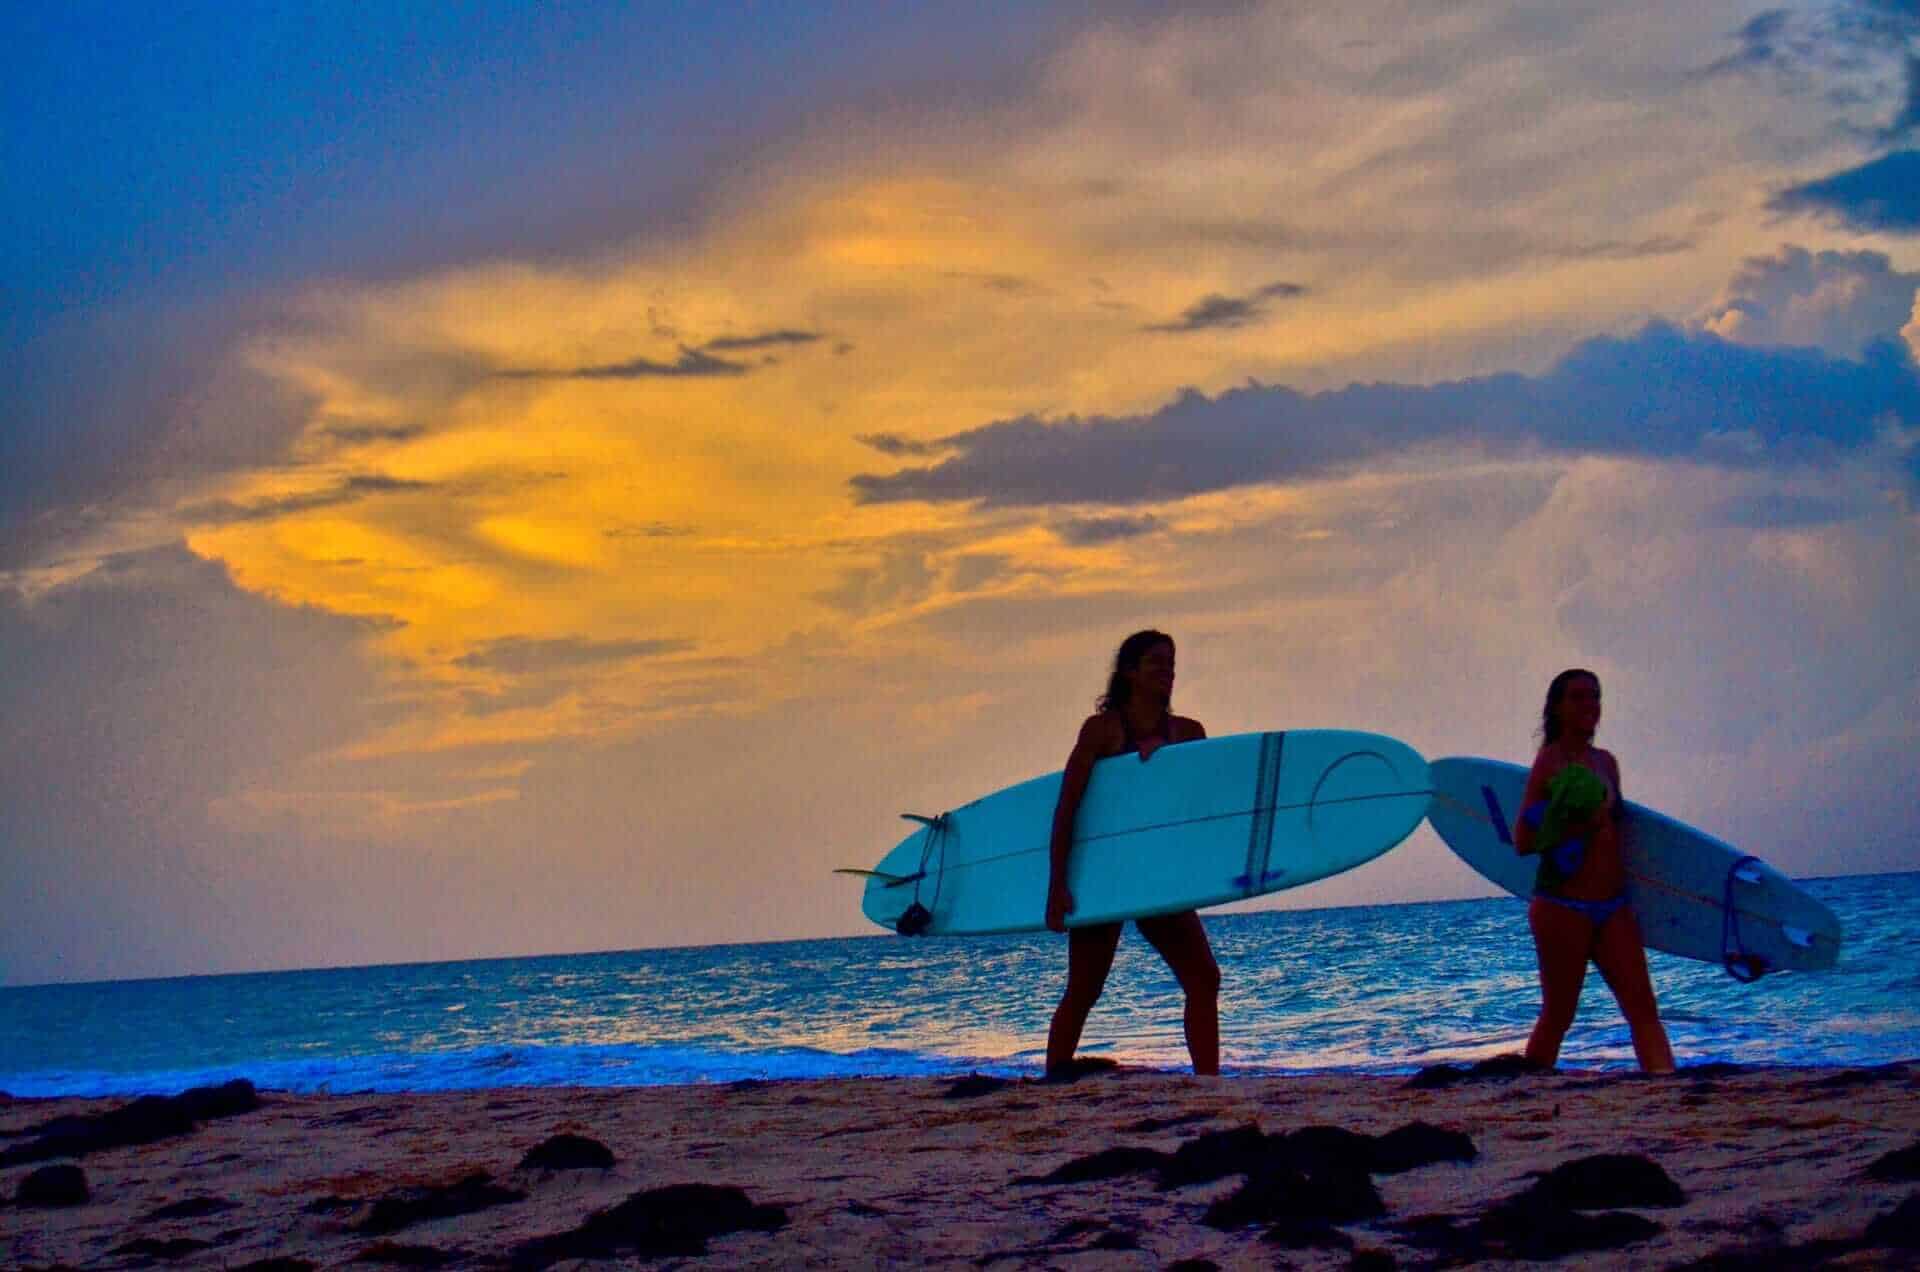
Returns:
point(1621, 956)
point(1562, 939)
point(1089, 959)
point(1182, 941)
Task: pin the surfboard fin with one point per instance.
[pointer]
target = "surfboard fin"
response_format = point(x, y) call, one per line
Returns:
point(890, 880)
point(931, 823)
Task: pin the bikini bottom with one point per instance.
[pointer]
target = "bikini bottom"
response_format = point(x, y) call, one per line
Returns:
point(1596, 912)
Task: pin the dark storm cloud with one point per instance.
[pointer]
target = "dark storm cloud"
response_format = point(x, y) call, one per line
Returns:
point(1663, 393)
point(1214, 312)
point(765, 340)
point(694, 362)
point(1882, 196)
point(1083, 531)
point(691, 364)
point(357, 434)
point(1007, 284)
point(895, 444)
point(517, 656)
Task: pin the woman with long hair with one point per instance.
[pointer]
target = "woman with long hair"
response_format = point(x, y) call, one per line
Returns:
point(1581, 910)
point(1134, 717)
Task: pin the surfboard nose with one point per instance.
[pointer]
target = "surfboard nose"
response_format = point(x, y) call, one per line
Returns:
point(1372, 790)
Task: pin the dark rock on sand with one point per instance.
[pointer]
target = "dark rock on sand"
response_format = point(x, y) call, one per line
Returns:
point(1246, 1150)
point(1193, 1265)
point(1900, 1164)
point(676, 1220)
point(1527, 1227)
point(53, 1186)
point(1332, 1195)
point(277, 1263)
point(1307, 1234)
point(1498, 1067)
point(1712, 1069)
point(1443, 1233)
point(1148, 1125)
point(1217, 1154)
point(1899, 1228)
point(167, 1249)
point(191, 1208)
point(1605, 1180)
point(144, 1121)
point(1419, 1144)
point(204, 1104)
point(1770, 1256)
point(1081, 1067)
point(974, 1084)
point(1862, 1077)
point(567, 1152)
point(398, 1209)
point(1311, 1147)
point(396, 1255)
point(1108, 1163)
point(1065, 1240)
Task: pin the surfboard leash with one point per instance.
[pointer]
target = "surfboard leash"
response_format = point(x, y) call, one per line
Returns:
point(917, 918)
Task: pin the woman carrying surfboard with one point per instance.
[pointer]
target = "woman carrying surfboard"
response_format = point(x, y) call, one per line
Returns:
point(1135, 716)
point(1581, 911)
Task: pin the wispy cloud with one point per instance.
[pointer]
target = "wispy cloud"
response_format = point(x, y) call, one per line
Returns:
point(895, 444)
point(691, 364)
point(517, 656)
point(764, 340)
point(1773, 510)
point(1214, 311)
point(352, 490)
point(1086, 531)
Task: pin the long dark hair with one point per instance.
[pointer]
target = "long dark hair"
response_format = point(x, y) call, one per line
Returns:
point(1128, 657)
point(1549, 714)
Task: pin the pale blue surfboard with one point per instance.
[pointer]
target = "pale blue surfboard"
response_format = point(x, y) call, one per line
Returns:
point(1682, 879)
point(1198, 824)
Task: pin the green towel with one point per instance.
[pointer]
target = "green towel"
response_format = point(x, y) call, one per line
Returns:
point(1575, 794)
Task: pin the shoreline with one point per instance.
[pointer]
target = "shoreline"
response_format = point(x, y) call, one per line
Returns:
point(949, 1171)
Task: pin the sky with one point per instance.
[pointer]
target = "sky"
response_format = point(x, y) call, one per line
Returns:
point(510, 479)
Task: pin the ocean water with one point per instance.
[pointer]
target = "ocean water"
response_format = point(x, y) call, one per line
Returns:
point(1379, 989)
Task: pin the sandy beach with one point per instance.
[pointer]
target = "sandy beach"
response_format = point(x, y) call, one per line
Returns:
point(1123, 1168)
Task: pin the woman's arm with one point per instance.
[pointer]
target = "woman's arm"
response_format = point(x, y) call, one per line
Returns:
point(1536, 793)
point(1095, 741)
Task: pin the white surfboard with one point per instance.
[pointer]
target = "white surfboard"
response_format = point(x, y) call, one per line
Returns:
point(1682, 880)
point(1198, 824)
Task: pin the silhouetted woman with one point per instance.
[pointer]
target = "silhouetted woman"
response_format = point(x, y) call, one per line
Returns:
point(1135, 716)
point(1581, 910)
